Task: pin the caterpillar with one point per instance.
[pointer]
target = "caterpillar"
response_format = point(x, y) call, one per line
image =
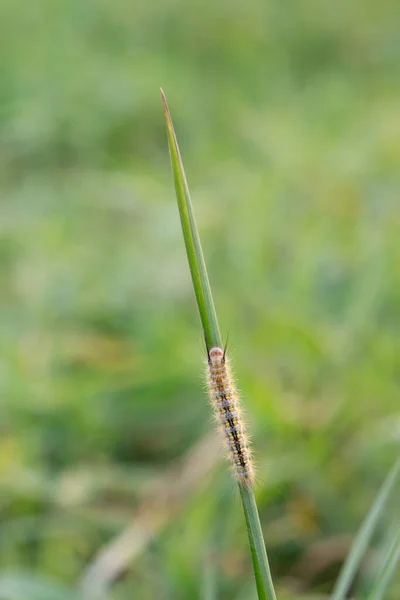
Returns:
point(225, 400)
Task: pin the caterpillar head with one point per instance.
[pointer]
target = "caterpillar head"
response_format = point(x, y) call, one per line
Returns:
point(216, 356)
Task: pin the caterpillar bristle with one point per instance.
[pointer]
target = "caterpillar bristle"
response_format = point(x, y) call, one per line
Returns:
point(225, 400)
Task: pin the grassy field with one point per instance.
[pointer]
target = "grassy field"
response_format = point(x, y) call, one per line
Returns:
point(288, 121)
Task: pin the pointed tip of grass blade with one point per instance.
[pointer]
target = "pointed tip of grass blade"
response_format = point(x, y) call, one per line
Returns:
point(164, 99)
point(172, 141)
point(192, 240)
point(167, 114)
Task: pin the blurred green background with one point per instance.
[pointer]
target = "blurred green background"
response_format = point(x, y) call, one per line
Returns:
point(287, 115)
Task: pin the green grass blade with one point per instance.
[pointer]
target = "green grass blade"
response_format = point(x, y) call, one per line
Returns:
point(212, 335)
point(364, 535)
point(209, 591)
point(390, 563)
point(194, 251)
point(265, 588)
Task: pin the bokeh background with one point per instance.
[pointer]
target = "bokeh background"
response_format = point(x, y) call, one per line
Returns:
point(287, 115)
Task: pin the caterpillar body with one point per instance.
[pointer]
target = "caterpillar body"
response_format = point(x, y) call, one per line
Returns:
point(225, 400)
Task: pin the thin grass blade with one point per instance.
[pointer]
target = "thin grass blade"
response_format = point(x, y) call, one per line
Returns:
point(191, 237)
point(212, 336)
point(389, 567)
point(363, 537)
point(209, 591)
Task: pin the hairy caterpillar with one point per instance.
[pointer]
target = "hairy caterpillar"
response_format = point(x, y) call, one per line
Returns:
point(225, 400)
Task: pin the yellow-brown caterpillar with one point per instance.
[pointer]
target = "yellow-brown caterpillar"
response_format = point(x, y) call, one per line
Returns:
point(225, 399)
